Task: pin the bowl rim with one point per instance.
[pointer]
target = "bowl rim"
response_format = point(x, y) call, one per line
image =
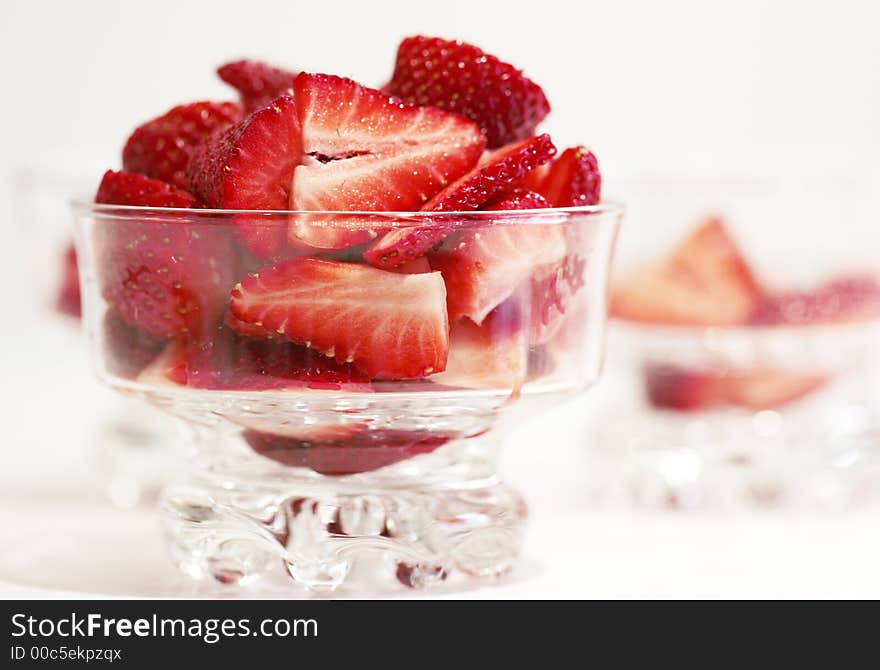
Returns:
point(82, 205)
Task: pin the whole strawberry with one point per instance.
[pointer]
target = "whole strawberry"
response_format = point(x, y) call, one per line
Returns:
point(167, 276)
point(462, 78)
point(161, 148)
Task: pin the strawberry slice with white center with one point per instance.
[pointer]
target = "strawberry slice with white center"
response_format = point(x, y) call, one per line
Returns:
point(250, 166)
point(493, 355)
point(367, 151)
point(483, 267)
point(391, 326)
point(498, 172)
point(705, 282)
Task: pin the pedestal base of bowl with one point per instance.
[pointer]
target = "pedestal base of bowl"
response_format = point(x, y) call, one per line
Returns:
point(267, 527)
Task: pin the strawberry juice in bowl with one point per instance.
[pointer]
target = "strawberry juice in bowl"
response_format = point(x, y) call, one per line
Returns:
point(347, 296)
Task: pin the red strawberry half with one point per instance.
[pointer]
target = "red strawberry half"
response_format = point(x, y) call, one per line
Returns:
point(497, 173)
point(169, 278)
point(162, 148)
point(705, 282)
point(250, 166)
point(572, 180)
point(127, 350)
point(257, 83)
point(125, 188)
point(391, 326)
point(361, 451)
point(369, 152)
point(462, 78)
point(69, 298)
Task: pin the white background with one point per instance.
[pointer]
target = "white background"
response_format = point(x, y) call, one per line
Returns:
point(745, 96)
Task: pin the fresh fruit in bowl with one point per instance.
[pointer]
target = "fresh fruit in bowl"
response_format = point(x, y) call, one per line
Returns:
point(706, 282)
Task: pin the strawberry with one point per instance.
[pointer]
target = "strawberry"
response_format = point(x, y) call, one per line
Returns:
point(69, 298)
point(125, 188)
point(498, 172)
point(483, 267)
point(369, 152)
point(572, 180)
point(257, 83)
point(250, 166)
point(127, 350)
point(461, 78)
point(845, 300)
point(493, 355)
point(705, 282)
point(389, 325)
point(238, 364)
point(362, 451)
point(161, 148)
point(168, 277)
point(672, 387)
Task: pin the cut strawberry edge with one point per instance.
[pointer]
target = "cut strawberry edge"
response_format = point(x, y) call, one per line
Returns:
point(682, 389)
point(572, 180)
point(499, 171)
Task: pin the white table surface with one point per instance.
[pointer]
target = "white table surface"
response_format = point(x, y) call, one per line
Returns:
point(60, 538)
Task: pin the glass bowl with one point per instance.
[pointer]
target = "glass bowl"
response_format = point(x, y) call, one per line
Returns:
point(326, 452)
point(743, 369)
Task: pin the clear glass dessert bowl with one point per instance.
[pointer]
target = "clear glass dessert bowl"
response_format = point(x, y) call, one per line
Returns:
point(345, 419)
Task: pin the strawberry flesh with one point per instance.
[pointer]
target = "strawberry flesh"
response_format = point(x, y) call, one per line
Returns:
point(462, 78)
point(257, 83)
point(127, 350)
point(497, 173)
point(366, 151)
point(162, 148)
point(250, 166)
point(391, 326)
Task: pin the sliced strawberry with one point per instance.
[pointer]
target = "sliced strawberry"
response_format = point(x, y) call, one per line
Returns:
point(249, 330)
point(257, 83)
point(391, 326)
point(845, 300)
point(369, 152)
point(706, 281)
point(169, 278)
point(498, 172)
point(769, 389)
point(363, 451)
point(125, 188)
point(461, 78)
point(417, 267)
point(161, 148)
point(681, 389)
point(127, 350)
point(69, 298)
point(572, 180)
point(493, 355)
point(671, 387)
point(239, 364)
point(483, 267)
point(250, 166)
